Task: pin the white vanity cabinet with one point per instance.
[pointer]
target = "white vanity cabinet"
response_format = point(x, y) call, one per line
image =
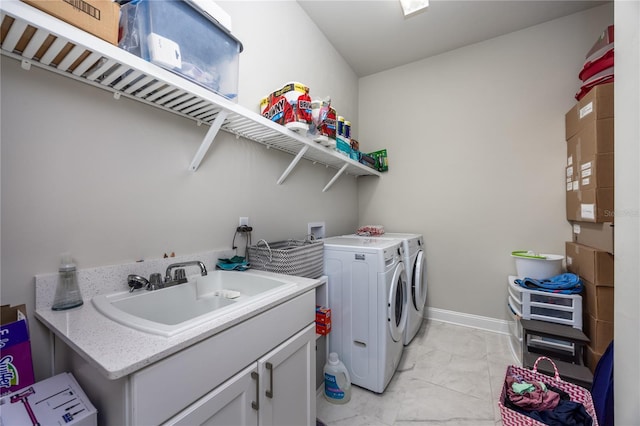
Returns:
point(260, 371)
point(277, 390)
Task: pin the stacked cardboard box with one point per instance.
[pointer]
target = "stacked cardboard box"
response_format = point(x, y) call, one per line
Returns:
point(590, 188)
point(589, 172)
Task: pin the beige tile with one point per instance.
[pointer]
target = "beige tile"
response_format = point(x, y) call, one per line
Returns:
point(449, 375)
point(462, 374)
point(427, 402)
point(455, 339)
point(383, 407)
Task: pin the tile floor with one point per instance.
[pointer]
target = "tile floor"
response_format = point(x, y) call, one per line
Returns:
point(448, 375)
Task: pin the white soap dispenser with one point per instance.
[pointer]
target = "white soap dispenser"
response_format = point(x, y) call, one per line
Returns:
point(67, 292)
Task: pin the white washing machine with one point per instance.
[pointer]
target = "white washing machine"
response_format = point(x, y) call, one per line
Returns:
point(367, 296)
point(416, 266)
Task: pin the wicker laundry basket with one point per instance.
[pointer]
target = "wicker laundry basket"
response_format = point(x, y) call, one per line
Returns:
point(304, 258)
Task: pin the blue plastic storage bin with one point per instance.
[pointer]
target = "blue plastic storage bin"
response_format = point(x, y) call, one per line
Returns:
point(176, 36)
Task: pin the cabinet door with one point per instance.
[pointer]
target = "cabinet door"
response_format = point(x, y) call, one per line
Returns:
point(232, 403)
point(287, 382)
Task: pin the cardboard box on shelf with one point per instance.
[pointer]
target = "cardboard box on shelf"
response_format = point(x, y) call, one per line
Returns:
point(16, 365)
point(98, 17)
point(58, 400)
point(589, 205)
point(595, 105)
point(598, 301)
point(590, 263)
point(596, 235)
point(599, 331)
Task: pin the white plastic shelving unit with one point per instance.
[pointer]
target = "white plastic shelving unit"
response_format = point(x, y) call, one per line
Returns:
point(36, 38)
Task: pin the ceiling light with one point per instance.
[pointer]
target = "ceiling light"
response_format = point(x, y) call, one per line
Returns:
point(411, 7)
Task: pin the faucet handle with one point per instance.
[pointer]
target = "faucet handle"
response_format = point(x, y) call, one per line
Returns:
point(180, 274)
point(136, 281)
point(155, 281)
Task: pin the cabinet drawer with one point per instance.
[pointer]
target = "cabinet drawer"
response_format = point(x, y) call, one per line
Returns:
point(547, 343)
point(168, 386)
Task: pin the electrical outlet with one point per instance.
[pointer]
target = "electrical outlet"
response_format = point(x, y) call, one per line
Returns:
point(244, 221)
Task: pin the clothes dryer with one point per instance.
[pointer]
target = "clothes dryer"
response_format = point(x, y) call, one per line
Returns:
point(416, 266)
point(367, 296)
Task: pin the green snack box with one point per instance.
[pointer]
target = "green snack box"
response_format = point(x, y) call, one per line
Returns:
point(382, 164)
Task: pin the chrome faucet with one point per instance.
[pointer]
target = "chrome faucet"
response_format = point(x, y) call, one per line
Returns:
point(180, 275)
point(155, 281)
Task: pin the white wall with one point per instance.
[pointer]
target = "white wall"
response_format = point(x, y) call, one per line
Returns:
point(107, 180)
point(627, 214)
point(476, 155)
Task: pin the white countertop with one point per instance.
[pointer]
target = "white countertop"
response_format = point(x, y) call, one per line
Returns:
point(117, 350)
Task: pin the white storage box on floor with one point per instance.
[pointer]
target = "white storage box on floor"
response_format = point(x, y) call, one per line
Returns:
point(56, 400)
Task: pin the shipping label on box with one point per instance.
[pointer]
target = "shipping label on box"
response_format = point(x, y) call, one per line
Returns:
point(16, 365)
point(597, 171)
point(589, 205)
point(596, 205)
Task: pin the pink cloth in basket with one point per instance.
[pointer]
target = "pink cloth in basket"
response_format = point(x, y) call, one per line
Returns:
point(539, 399)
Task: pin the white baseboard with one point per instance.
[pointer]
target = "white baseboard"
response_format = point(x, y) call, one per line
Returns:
point(468, 320)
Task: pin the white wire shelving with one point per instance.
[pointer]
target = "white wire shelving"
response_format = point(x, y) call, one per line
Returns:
point(37, 39)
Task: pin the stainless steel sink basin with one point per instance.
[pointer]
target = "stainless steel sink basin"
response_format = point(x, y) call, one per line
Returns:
point(173, 310)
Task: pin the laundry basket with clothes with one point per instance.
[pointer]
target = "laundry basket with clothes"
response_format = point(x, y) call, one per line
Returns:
point(531, 398)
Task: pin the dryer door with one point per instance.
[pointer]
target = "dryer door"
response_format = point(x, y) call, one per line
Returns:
point(419, 282)
point(396, 303)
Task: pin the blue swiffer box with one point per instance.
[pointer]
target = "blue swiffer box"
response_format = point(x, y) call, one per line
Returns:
point(178, 37)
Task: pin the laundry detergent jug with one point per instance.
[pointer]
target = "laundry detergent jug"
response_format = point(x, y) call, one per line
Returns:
point(337, 383)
